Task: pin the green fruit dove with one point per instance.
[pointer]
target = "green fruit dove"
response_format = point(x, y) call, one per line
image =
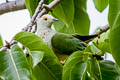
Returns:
point(62, 43)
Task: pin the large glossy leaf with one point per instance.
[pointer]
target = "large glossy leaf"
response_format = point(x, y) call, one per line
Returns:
point(13, 64)
point(109, 70)
point(114, 22)
point(50, 63)
point(103, 70)
point(65, 11)
point(1, 42)
point(100, 4)
point(41, 72)
point(31, 5)
point(81, 21)
point(75, 66)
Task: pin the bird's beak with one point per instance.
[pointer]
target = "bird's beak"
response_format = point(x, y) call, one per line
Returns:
point(55, 19)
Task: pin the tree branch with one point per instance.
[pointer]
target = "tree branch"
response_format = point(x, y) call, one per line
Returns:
point(102, 30)
point(39, 12)
point(32, 22)
point(99, 32)
point(12, 6)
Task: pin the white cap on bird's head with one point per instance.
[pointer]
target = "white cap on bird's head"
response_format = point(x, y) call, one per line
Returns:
point(46, 20)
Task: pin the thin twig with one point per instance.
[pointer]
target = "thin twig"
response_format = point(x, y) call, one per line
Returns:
point(31, 22)
point(99, 32)
point(43, 11)
point(38, 9)
point(102, 30)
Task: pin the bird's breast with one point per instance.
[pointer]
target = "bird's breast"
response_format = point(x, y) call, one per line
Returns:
point(46, 35)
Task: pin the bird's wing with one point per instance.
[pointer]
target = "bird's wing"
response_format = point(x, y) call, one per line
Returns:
point(66, 44)
point(84, 38)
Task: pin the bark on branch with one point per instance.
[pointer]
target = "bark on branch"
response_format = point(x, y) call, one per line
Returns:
point(12, 6)
point(102, 30)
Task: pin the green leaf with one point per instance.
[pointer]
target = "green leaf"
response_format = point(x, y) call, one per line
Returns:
point(31, 5)
point(103, 70)
point(42, 73)
point(81, 22)
point(61, 27)
point(114, 11)
point(50, 63)
point(37, 57)
point(1, 42)
point(65, 11)
point(94, 69)
point(109, 70)
point(13, 64)
point(114, 22)
point(75, 66)
point(100, 4)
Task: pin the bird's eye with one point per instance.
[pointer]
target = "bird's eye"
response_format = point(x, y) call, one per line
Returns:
point(45, 18)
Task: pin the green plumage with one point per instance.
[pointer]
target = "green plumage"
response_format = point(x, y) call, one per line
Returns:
point(67, 44)
point(62, 43)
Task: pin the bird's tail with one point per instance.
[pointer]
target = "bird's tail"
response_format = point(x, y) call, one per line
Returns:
point(84, 38)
